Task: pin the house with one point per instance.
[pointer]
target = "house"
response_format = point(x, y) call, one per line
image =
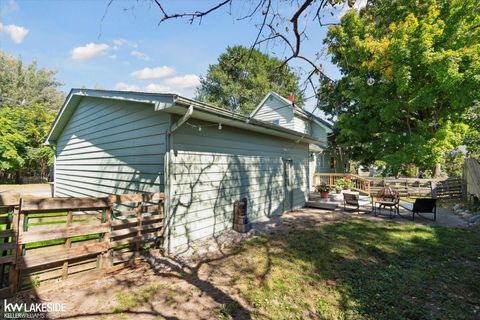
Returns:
point(203, 158)
point(282, 112)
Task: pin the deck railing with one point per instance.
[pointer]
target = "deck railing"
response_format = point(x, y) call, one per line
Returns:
point(360, 184)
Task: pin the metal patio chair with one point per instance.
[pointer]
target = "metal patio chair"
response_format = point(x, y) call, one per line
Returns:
point(353, 199)
point(422, 205)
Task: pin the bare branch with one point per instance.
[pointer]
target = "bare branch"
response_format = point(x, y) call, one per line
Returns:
point(294, 20)
point(192, 15)
point(272, 20)
point(251, 14)
point(260, 29)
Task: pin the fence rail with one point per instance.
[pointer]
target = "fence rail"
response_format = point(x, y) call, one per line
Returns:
point(46, 239)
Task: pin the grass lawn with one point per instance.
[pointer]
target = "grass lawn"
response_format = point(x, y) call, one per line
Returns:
point(361, 270)
point(313, 266)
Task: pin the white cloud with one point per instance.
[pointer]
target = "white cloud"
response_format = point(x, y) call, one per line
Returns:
point(126, 87)
point(17, 33)
point(183, 82)
point(153, 73)
point(88, 51)
point(8, 7)
point(119, 42)
point(113, 56)
point(153, 87)
point(140, 55)
point(358, 5)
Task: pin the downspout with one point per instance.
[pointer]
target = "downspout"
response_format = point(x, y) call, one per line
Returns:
point(168, 160)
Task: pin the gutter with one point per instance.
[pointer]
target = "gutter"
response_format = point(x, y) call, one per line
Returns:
point(179, 123)
point(229, 116)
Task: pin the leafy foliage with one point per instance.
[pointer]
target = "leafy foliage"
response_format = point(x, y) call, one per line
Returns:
point(472, 139)
point(411, 69)
point(242, 77)
point(12, 144)
point(29, 101)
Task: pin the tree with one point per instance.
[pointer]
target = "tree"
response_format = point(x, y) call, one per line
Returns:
point(27, 86)
point(411, 69)
point(242, 77)
point(29, 101)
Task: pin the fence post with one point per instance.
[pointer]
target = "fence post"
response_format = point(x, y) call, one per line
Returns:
point(68, 245)
point(17, 226)
point(433, 187)
point(107, 257)
point(140, 208)
point(13, 272)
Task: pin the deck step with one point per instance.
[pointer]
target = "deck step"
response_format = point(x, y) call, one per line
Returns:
point(322, 205)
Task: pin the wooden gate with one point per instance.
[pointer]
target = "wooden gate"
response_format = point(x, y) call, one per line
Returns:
point(55, 238)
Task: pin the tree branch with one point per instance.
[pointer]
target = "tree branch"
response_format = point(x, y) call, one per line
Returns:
point(192, 15)
point(294, 21)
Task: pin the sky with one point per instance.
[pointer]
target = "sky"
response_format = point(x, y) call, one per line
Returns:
point(123, 47)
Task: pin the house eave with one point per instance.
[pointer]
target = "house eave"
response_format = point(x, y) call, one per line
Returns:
point(209, 113)
point(175, 104)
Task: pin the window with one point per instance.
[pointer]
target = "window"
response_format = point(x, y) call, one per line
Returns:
point(333, 162)
point(276, 122)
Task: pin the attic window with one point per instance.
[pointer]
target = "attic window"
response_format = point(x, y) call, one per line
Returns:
point(276, 122)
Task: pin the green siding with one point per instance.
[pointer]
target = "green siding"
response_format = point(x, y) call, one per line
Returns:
point(111, 147)
point(276, 109)
point(319, 132)
point(115, 147)
point(212, 168)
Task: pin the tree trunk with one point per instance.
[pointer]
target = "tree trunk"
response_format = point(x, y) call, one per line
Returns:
point(437, 171)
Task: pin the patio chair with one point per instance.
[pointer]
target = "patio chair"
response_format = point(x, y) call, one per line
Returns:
point(422, 205)
point(353, 199)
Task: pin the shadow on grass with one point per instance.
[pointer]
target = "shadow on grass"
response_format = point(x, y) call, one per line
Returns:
point(362, 269)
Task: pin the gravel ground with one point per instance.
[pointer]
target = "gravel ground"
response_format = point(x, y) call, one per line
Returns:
point(36, 190)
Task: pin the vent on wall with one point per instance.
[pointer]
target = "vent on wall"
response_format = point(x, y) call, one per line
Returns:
point(276, 122)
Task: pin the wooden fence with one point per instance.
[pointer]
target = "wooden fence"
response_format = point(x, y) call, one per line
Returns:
point(471, 176)
point(405, 186)
point(49, 239)
point(451, 188)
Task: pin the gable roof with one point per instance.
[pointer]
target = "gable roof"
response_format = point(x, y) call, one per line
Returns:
point(302, 112)
point(174, 104)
